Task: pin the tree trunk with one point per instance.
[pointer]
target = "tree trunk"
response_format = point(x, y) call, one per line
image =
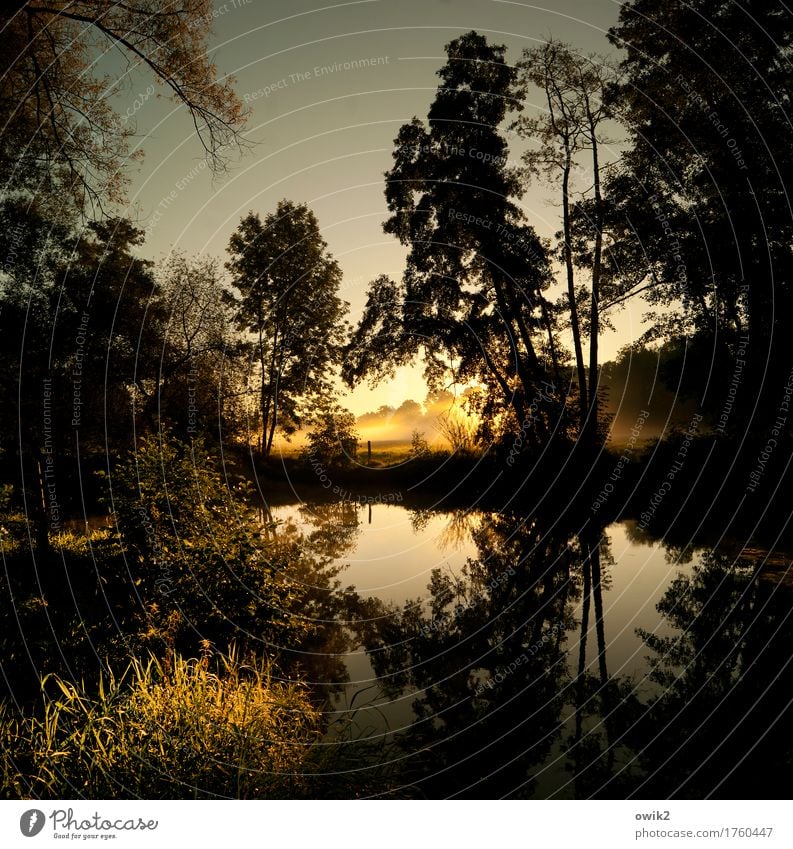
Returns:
point(271, 401)
point(274, 419)
point(594, 317)
point(510, 398)
point(568, 258)
point(526, 382)
point(597, 593)
point(539, 371)
point(39, 512)
point(264, 398)
point(551, 344)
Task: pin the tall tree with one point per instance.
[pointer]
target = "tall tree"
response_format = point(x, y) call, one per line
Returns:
point(707, 100)
point(566, 135)
point(58, 128)
point(288, 284)
point(471, 299)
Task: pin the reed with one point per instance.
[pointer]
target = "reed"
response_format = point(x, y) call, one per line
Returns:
point(185, 728)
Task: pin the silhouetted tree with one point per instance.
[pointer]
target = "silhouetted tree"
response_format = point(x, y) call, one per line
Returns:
point(332, 440)
point(471, 299)
point(706, 97)
point(81, 342)
point(568, 134)
point(288, 284)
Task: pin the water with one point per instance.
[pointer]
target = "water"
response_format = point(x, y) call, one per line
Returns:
point(491, 655)
point(395, 551)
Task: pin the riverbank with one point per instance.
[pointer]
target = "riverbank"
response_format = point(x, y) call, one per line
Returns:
point(688, 485)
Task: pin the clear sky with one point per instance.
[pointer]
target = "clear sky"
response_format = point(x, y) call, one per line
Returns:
point(322, 133)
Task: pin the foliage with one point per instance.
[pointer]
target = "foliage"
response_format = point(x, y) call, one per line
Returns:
point(214, 727)
point(333, 440)
point(197, 555)
point(80, 309)
point(80, 342)
point(419, 447)
point(703, 199)
point(288, 284)
point(471, 299)
point(458, 429)
point(201, 381)
point(457, 648)
point(723, 683)
point(60, 130)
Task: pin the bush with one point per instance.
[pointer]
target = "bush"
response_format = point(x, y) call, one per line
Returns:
point(186, 729)
point(458, 429)
point(333, 440)
point(198, 557)
point(419, 447)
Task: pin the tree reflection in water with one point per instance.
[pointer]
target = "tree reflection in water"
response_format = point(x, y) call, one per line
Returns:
point(505, 662)
point(486, 656)
point(313, 570)
point(720, 726)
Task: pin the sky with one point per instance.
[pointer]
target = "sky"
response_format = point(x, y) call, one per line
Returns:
point(321, 131)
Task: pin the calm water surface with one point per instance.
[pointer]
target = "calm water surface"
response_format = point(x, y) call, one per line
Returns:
point(494, 656)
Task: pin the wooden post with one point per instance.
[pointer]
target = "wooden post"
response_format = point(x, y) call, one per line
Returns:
point(369, 452)
point(42, 527)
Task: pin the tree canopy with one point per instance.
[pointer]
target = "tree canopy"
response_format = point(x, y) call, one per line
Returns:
point(288, 285)
point(471, 299)
point(705, 186)
point(58, 128)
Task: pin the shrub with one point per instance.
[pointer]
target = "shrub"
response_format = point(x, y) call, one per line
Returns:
point(458, 429)
point(197, 554)
point(419, 447)
point(333, 440)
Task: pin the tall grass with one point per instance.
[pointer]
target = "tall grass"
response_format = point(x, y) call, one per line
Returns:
point(213, 727)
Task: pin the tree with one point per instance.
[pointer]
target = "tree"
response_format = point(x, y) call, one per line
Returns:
point(288, 284)
point(574, 89)
point(201, 368)
point(706, 96)
point(58, 129)
point(79, 338)
point(35, 249)
point(419, 447)
point(471, 299)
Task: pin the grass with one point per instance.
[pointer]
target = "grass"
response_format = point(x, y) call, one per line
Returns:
point(191, 728)
point(385, 452)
